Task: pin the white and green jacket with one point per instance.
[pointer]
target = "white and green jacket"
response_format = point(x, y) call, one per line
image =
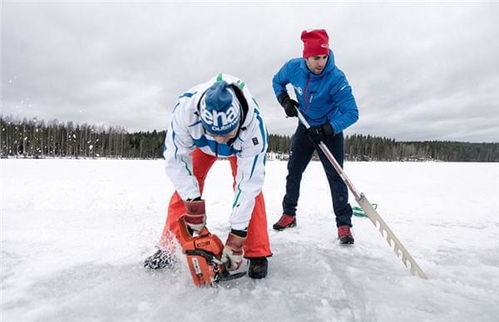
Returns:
point(186, 133)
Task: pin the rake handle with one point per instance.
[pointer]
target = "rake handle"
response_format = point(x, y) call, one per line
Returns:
point(371, 213)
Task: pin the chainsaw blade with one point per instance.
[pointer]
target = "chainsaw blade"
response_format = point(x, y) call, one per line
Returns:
point(226, 276)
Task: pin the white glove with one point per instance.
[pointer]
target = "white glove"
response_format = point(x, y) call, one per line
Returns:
point(232, 255)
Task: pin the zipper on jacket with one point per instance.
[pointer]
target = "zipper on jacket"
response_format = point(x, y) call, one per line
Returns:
point(305, 98)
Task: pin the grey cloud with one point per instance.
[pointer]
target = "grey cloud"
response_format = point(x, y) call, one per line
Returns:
point(419, 72)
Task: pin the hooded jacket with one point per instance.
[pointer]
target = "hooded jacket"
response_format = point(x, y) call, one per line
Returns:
point(326, 97)
point(186, 133)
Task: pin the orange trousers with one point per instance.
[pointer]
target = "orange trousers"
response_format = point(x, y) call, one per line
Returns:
point(257, 243)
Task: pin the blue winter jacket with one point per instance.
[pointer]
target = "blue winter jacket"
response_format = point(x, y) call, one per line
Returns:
point(323, 97)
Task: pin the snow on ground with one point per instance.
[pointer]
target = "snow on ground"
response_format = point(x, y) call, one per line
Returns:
point(75, 234)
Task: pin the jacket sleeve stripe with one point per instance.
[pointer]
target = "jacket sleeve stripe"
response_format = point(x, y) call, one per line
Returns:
point(263, 132)
point(255, 159)
point(194, 124)
point(236, 199)
point(187, 94)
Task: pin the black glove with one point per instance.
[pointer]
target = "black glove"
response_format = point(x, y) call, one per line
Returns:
point(316, 134)
point(289, 104)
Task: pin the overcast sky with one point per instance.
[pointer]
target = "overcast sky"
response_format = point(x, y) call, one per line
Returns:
point(418, 71)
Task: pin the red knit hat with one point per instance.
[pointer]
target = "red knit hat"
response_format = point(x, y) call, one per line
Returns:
point(315, 42)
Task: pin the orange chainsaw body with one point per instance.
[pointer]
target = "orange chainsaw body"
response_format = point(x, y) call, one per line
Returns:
point(203, 254)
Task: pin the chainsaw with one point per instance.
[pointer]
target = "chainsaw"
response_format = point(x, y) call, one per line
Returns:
point(203, 256)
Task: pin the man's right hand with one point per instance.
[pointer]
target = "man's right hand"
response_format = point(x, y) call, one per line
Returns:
point(288, 104)
point(195, 216)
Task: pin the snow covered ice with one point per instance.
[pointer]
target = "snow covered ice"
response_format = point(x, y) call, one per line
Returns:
point(75, 234)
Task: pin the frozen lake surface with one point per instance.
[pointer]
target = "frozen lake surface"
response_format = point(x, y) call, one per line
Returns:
point(74, 234)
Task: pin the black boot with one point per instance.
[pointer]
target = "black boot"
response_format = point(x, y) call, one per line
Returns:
point(258, 267)
point(160, 259)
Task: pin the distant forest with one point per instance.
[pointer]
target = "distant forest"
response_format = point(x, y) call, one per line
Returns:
point(39, 139)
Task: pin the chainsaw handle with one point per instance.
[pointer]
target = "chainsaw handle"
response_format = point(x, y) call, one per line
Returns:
point(204, 232)
point(184, 235)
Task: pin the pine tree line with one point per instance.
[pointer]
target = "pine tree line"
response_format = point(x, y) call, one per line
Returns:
point(369, 148)
point(37, 139)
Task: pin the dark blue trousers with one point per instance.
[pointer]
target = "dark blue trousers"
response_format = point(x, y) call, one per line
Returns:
point(301, 153)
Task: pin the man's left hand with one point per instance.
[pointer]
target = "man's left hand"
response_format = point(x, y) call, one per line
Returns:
point(232, 255)
point(319, 133)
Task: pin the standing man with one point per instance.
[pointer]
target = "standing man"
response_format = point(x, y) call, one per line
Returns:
point(325, 99)
point(218, 119)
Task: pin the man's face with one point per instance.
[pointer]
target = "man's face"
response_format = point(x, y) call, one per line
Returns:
point(316, 63)
point(222, 139)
